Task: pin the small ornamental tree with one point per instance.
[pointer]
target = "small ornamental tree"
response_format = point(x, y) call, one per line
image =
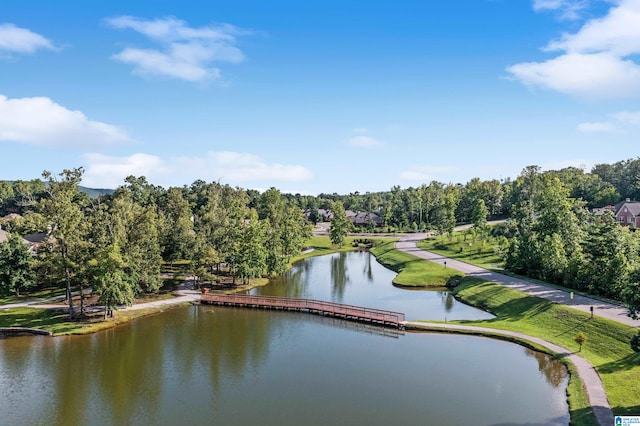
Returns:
point(580, 339)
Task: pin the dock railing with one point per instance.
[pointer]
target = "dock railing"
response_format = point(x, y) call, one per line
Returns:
point(357, 313)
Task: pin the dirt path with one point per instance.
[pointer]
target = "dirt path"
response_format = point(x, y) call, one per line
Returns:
point(588, 375)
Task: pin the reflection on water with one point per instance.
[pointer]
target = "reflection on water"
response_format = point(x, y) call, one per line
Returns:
point(208, 364)
point(339, 276)
point(555, 373)
point(356, 278)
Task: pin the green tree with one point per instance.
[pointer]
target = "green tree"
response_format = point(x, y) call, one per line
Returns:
point(16, 274)
point(295, 231)
point(177, 234)
point(6, 196)
point(479, 216)
point(134, 229)
point(67, 225)
point(339, 225)
point(250, 254)
point(608, 254)
point(113, 285)
point(580, 339)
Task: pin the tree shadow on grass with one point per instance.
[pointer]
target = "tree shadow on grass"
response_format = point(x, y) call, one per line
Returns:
point(585, 416)
point(621, 364)
point(626, 411)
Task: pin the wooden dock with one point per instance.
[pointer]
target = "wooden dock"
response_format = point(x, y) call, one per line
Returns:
point(348, 312)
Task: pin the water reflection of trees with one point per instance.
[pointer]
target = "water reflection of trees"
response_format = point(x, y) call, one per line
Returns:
point(447, 300)
point(339, 276)
point(292, 283)
point(368, 270)
point(554, 371)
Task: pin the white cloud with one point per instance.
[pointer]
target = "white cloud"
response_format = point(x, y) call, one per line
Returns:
point(186, 53)
point(597, 60)
point(364, 142)
point(360, 130)
point(568, 9)
point(427, 173)
point(225, 166)
point(618, 33)
point(599, 127)
point(40, 121)
point(627, 117)
point(21, 40)
point(600, 75)
point(103, 171)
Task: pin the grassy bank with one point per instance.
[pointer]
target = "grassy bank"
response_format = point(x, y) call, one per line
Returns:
point(321, 245)
point(412, 271)
point(38, 294)
point(58, 321)
point(481, 252)
point(607, 347)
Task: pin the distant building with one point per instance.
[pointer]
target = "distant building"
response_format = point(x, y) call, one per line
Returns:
point(602, 210)
point(627, 213)
point(366, 219)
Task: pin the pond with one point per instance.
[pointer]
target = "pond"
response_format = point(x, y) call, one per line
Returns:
point(208, 364)
point(356, 278)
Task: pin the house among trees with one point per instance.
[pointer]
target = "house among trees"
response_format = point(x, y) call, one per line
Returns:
point(366, 219)
point(33, 240)
point(627, 213)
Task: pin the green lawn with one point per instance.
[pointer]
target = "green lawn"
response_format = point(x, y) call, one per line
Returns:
point(607, 347)
point(38, 294)
point(480, 252)
point(321, 245)
point(412, 271)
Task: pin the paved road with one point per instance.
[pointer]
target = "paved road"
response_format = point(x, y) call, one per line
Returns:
point(603, 309)
point(588, 375)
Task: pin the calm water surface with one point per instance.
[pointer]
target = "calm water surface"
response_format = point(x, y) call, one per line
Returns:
point(215, 365)
point(356, 278)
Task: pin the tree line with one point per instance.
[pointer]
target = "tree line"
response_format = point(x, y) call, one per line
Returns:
point(554, 237)
point(116, 243)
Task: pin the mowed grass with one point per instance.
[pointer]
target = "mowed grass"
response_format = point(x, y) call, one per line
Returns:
point(607, 347)
point(321, 245)
point(480, 252)
point(38, 294)
point(412, 271)
point(57, 320)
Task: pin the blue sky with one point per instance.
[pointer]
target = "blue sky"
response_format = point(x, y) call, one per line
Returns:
point(310, 97)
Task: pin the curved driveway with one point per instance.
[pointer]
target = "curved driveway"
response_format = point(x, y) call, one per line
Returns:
point(603, 309)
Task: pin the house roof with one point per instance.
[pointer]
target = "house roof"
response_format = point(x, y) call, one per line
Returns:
point(601, 210)
point(633, 207)
point(363, 218)
point(37, 238)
